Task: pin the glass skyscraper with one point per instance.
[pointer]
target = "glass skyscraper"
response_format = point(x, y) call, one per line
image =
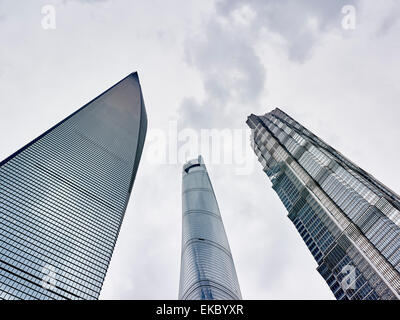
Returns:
point(349, 221)
point(207, 268)
point(63, 197)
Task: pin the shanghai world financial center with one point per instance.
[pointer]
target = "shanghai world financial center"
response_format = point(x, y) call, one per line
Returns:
point(63, 198)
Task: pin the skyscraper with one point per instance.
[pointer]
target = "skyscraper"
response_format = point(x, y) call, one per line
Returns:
point(349, 221)
point(63, 198)
point(207, 268)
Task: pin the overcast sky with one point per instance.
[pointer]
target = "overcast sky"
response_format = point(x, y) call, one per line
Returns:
point(209, 64)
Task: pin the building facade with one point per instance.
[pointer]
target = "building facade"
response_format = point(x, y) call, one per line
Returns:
point(349, 221)
point(207, 268)
point(63, 198)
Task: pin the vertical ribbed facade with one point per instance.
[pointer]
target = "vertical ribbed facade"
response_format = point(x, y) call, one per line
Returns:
point(207, 268)
point(349, 221)
point(63, 198)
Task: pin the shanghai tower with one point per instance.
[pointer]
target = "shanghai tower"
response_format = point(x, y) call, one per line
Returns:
point(63, 197)
point(349, 221)
point(207, 268)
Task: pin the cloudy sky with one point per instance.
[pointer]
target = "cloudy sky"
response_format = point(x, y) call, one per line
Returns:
point(209, 64)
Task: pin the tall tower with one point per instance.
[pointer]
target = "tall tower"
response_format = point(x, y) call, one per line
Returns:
point(63, 197)
point(349, 221)
point(207, 268)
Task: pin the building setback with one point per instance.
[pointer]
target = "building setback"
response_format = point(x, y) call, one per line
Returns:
point(349, 221)
point(207, 268)
point(63, 198)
